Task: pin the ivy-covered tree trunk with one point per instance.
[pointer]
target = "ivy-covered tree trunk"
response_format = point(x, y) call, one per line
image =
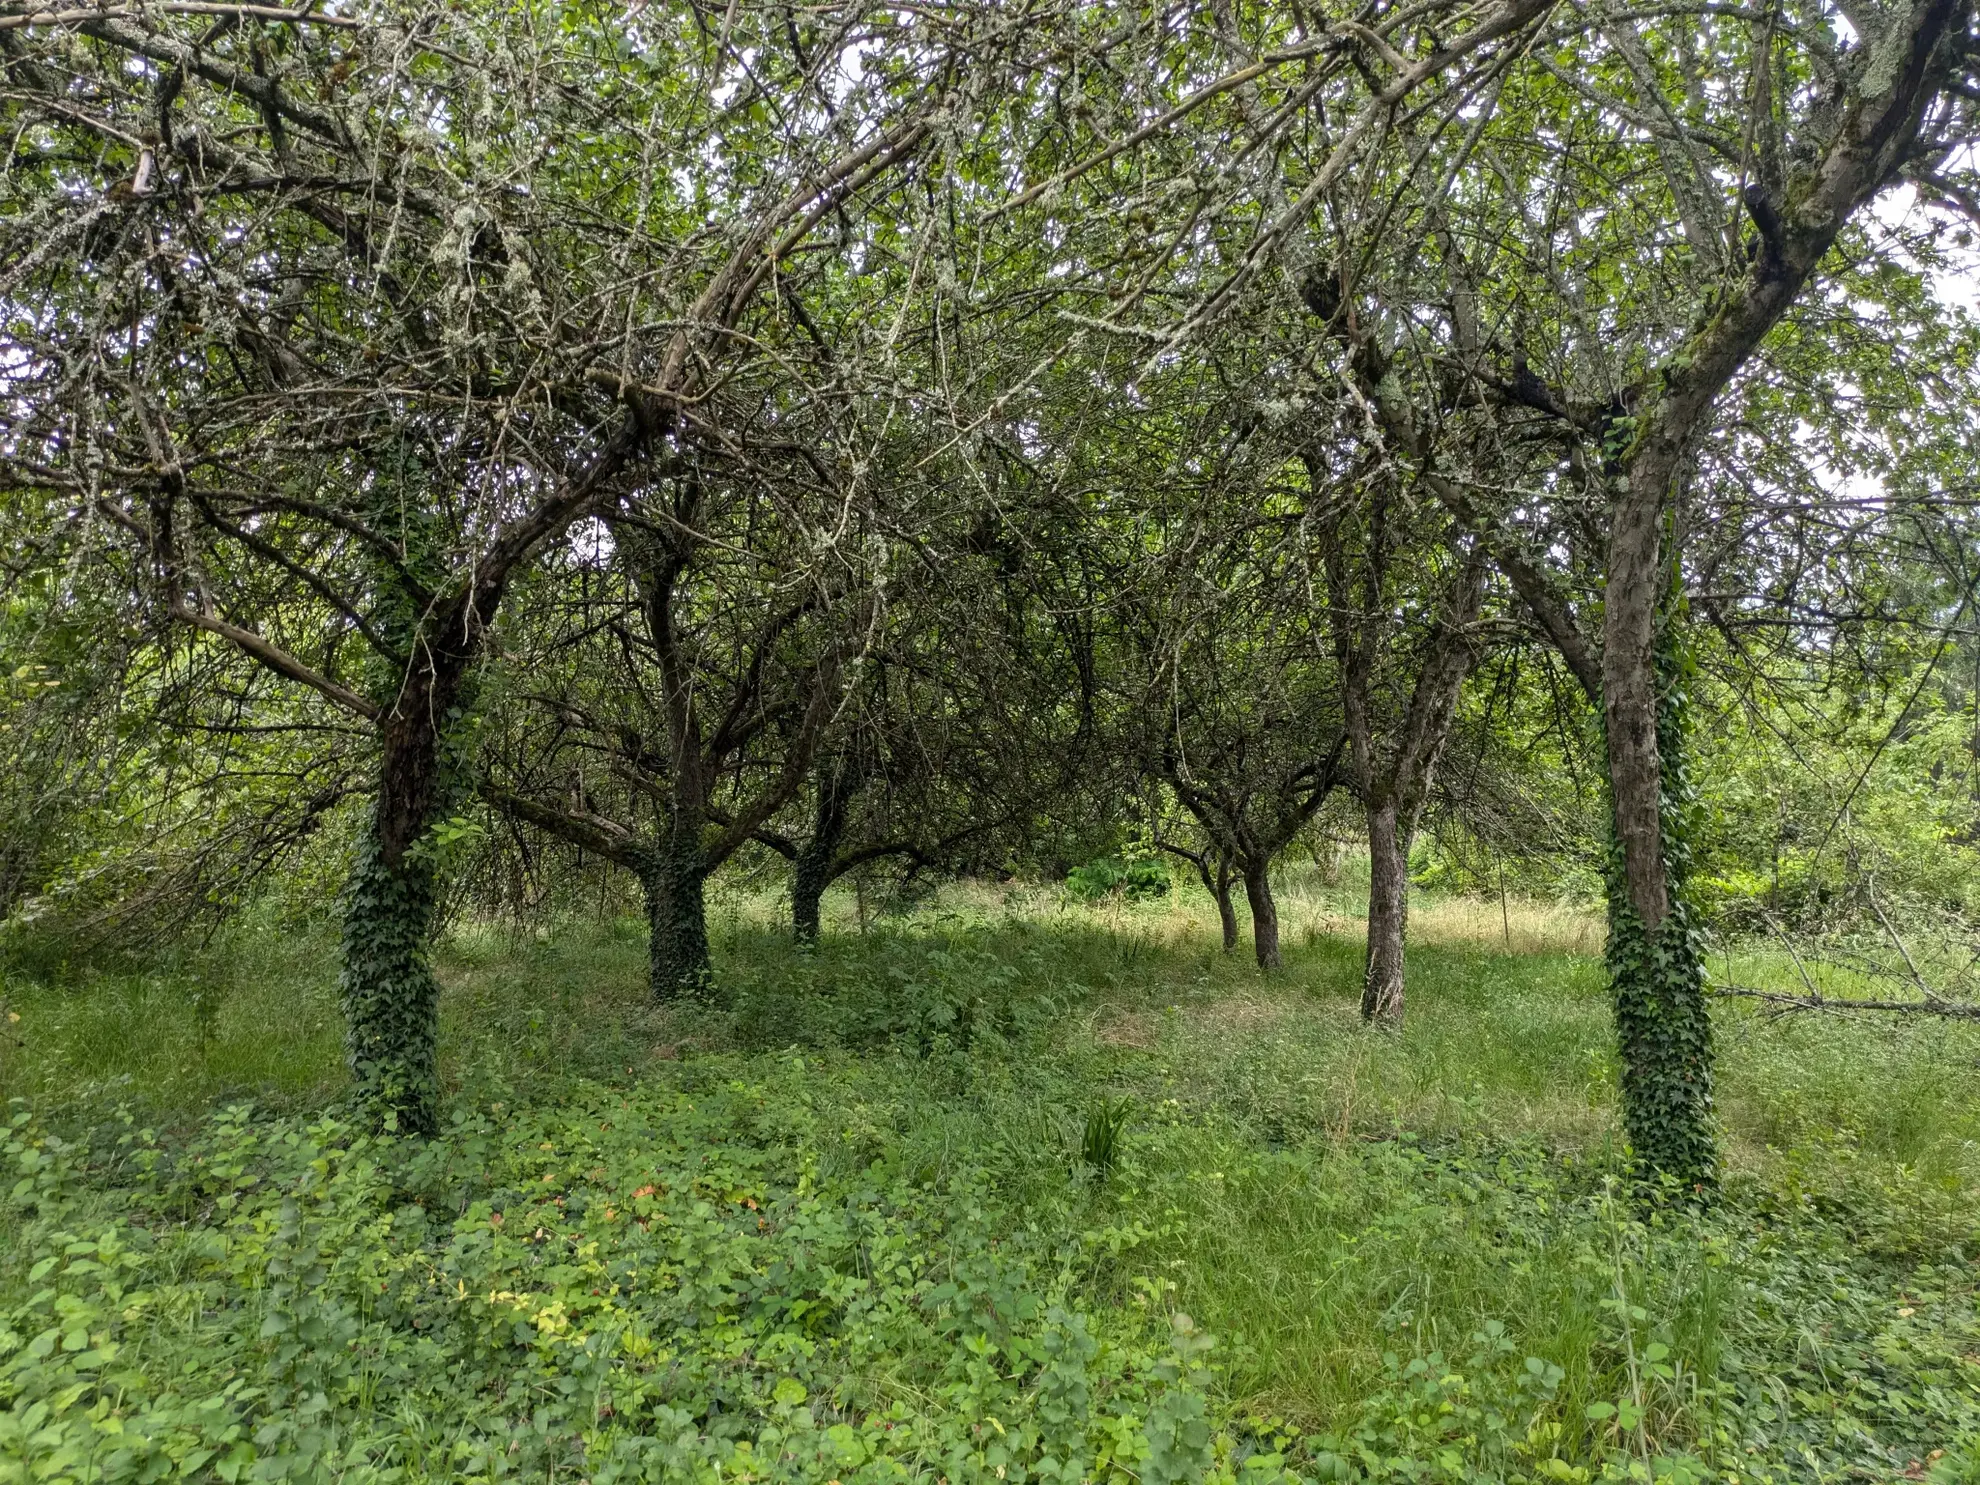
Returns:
point(390, 1000)
point(1264, 912)
point(811, 874)
point(1388, 916)
point(391, 1003)
point(1655, 963)
point(674, 881)
point(1657, 970)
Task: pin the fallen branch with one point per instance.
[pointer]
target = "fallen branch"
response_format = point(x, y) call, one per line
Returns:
point(1952, 1009)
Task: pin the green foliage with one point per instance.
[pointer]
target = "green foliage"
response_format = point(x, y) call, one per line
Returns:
point(927, 998)
point(390, 1000)
point(1110, 876)
point(1100, 1137)
point(681, 1281)
point(673, 878)
point(665, 1283)
point(1415, 1252)
point(1823, 794)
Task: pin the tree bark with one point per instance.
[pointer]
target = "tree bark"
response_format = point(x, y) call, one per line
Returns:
point(810, 875)
point(1388, 916)
point(1238, 841)
point(390, 1000)
point(674, 881)
point(1264, 913)
point(1657, 971)
point(1220, 888)
point(1655, 960)
point(1216, 881)
point(811, 868)
point(1637, 578)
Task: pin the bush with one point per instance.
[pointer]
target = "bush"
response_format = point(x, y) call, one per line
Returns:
point(900, 992)
point(1136, 881)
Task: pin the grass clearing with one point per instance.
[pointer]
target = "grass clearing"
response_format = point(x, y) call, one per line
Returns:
point(832, 1229)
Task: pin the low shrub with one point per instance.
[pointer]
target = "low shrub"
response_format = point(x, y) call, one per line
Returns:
point(750, 1270)
point(899, 992)
point(1110, 876)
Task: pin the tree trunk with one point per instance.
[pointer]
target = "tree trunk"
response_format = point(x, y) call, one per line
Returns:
point(1226, 910)
point(678, 966)
point(810, 875)
point(390, 1000)
point(1218, 884)
point(1657, 969)
point(1636, 580)
point(1655, 961)
point(1388, 916)
point(1264, 913)
point(811, 869)
point(391, 1003)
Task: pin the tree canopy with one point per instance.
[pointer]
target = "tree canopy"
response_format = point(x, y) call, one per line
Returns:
point(506, 442)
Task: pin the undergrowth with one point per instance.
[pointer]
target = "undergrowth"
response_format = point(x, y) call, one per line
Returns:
point(857, 1224)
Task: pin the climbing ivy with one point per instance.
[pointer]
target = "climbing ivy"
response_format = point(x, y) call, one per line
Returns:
point(1663, 1028)
point(390, 999)
point(673, 875)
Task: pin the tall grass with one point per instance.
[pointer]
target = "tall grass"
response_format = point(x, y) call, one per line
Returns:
point(1314, 905)
point(1496, 1042)
point(1317, 1194)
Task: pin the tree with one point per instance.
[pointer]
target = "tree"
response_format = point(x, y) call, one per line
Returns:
point(1399, 694)
point(701, 655)
point(1241, 713)
point(957, 753)
point(1295, 135)
point(339, 320)
point(1547, 239)
point(1640, 358)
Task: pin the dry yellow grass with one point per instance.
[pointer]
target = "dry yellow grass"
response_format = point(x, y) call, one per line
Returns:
point(1311, 908)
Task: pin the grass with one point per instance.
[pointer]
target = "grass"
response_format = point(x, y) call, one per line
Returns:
point(1329, 1203)
point(1496, 1041)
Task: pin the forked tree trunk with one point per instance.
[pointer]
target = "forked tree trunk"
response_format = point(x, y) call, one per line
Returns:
point(811, 868)
point(1226, 910)
point(1388, 917)
point(1264, 913)
point(678, 965)
point(390, 1001)
point(1218, 884)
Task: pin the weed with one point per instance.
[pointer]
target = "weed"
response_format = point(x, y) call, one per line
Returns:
point(1100, 1137)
